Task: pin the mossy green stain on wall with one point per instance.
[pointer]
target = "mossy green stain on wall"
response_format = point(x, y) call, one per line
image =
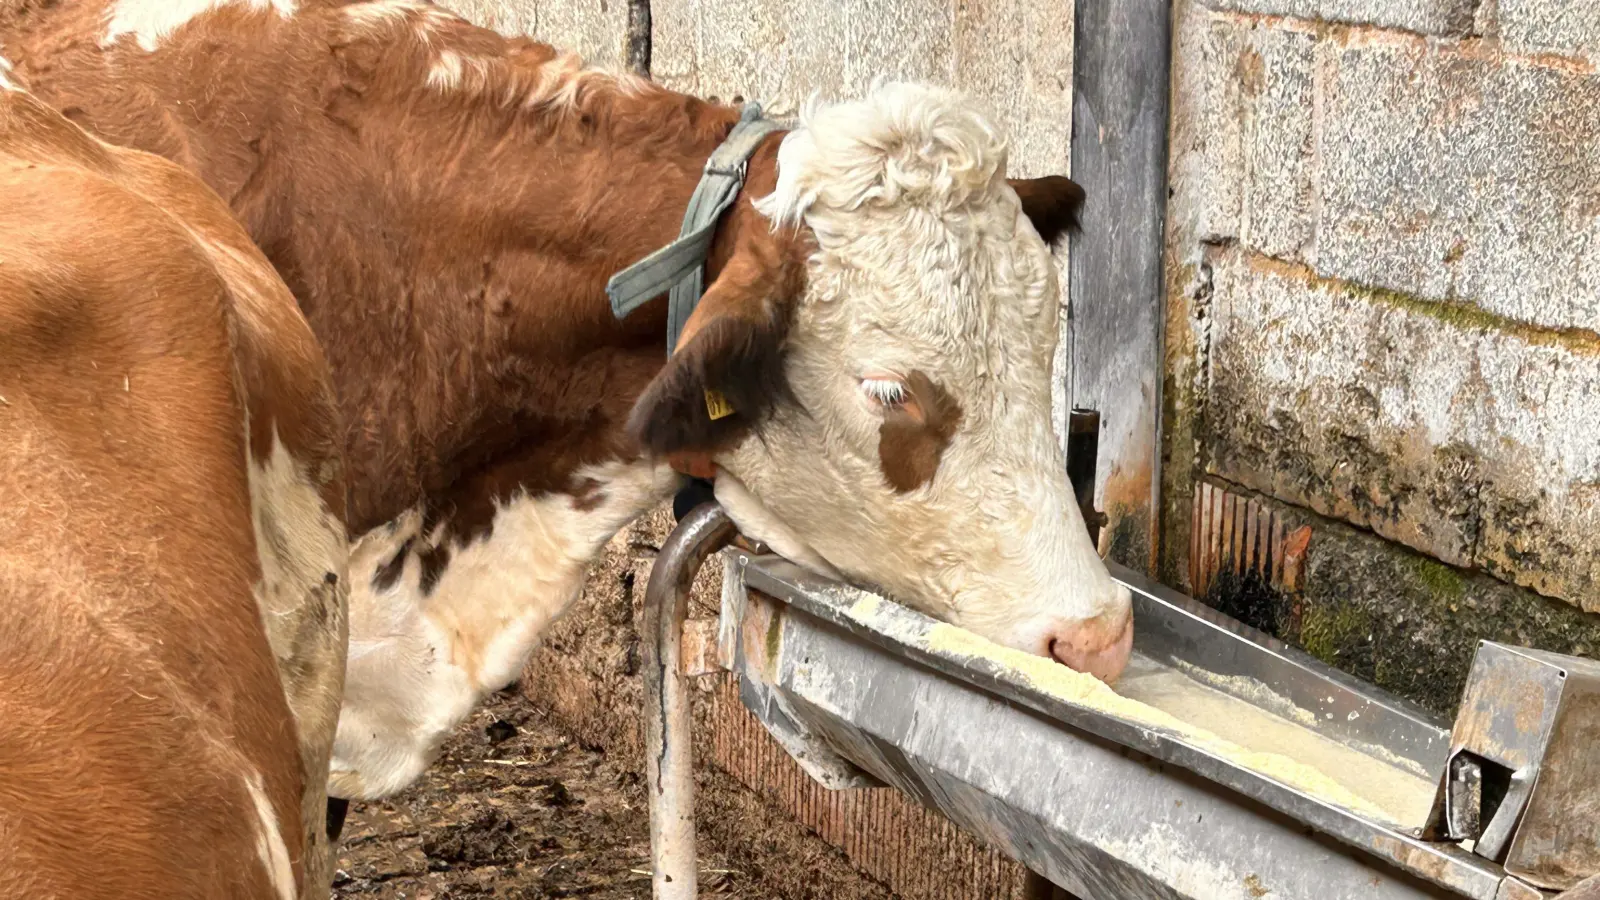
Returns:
point(1467, 317)
point(1336, 634)
point(1403, 621)
point(1444, 583)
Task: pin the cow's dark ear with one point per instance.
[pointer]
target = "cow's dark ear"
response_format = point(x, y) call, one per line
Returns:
point(728, 372)
point(1051, 203)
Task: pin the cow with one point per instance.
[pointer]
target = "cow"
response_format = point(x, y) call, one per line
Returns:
point(173, 550)
point(447, 204)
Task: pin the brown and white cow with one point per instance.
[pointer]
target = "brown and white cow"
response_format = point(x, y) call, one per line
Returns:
point(447, 205)
point(172, 552)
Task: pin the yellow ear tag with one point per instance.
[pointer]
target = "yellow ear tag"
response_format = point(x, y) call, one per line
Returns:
point(717, 406)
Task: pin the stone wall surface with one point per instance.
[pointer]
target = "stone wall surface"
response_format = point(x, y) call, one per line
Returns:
point(1383, 271)
point(1551, 26)
point(1420, 16)
point(1386, 248)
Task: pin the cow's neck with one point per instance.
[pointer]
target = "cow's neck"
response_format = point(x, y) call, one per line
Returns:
point(455, 271)
point(507, 356)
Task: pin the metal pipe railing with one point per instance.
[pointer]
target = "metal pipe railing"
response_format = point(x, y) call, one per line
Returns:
point(668, 745)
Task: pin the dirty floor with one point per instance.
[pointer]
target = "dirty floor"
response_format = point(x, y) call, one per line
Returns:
point(514, 809)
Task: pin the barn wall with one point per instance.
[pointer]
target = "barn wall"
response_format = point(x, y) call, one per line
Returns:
point(1383, 300)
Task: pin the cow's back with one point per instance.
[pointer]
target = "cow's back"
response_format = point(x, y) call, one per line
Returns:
point(166, 478)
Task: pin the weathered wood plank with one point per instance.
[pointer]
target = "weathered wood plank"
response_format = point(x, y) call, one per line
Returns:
point(1119, 155)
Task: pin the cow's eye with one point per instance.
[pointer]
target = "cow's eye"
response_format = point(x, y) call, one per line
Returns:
point(886, 393)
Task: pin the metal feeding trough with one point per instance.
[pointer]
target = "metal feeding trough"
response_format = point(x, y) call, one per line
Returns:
point(1226, 765)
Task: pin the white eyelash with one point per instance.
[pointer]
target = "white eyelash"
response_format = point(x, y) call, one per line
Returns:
point(885, 391)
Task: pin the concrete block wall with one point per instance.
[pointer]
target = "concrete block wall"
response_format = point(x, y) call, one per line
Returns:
point(597, 30)
point(1384, 310)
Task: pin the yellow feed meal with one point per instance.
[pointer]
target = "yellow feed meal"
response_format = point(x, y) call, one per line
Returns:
point(1223, 725)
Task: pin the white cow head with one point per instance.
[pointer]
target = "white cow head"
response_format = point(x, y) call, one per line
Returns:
point(885, 335)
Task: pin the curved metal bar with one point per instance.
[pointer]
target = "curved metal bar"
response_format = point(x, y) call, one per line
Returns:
point(668, 751)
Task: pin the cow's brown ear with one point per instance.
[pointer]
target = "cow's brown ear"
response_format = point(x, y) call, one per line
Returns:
point(728, 371)
point(1051, 203)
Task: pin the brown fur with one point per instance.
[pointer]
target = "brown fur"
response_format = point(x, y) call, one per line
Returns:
point(914, 435)
point(1051, 203)
point(451, 248)
point(137, 686)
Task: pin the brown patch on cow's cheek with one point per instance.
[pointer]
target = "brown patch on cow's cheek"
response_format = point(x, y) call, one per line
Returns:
point(910, 446)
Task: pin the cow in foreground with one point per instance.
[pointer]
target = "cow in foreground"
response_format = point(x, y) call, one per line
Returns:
point(447, 205)
point(172, 552)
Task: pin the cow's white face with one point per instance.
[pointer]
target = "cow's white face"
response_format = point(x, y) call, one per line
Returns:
point(914, 449)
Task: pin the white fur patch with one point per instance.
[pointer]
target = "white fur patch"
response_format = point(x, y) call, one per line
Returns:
point(300, 544)
point(299, 541)
point(451, 69)
point(270, 847)
point(151, 20)
point(6, 82)
point(419, 664)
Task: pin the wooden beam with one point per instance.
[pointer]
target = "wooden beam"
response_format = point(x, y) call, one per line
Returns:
point(1119, 154)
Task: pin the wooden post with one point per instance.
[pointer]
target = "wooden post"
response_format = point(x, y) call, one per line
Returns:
point(1119, 154)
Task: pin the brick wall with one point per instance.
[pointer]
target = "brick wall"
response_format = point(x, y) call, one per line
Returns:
point(1384, 313)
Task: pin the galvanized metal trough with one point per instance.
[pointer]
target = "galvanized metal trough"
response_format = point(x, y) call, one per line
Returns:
point(1249, 770)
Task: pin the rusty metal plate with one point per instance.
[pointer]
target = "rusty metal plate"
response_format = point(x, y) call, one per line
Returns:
point(1523, 764)
point(1233, 533)
point(1558, 843)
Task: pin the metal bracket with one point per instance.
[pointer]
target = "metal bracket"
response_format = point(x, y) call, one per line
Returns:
point(1522, 765)
point(669, 760)
point(1083, 451)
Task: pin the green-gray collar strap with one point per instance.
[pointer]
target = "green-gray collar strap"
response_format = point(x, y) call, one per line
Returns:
point(679, 267)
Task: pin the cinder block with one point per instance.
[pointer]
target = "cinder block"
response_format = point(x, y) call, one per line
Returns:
point(1422, 16)
point(1277, 82)
point(597, 30)
point(1468, 443)
point(1551, 26)
point(1463, 179)
point(782, 52)
point(1243, 133)
point(1206, 158)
